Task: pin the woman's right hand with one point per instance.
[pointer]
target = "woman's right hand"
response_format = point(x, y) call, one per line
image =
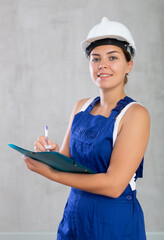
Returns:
point(41, 146)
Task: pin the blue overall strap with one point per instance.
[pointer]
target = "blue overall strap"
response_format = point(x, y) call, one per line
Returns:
point(120, 105)
point(92, 104)
point(139, 172)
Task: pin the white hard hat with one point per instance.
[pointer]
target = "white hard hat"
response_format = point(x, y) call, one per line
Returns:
point(116, 33)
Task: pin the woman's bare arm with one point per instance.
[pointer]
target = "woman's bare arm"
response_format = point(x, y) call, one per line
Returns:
point(127, 154)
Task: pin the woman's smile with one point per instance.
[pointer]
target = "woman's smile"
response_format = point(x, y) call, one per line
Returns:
point(104, 75)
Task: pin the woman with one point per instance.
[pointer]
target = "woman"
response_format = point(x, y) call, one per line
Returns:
point(109, 135)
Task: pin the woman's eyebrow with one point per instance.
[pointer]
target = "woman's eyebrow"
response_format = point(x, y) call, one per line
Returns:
point(113, 52)
point(96, 54)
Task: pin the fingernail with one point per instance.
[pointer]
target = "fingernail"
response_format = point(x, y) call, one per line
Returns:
point(24, 157)
point(47, 147)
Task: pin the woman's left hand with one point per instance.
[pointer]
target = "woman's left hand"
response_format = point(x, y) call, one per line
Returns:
point(39, 167)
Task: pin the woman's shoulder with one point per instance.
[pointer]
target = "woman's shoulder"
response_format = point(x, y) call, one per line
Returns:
point(80, 103)
point(137, 113)
point(139, 109)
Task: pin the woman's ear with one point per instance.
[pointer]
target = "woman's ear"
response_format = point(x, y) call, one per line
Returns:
point(130, 65)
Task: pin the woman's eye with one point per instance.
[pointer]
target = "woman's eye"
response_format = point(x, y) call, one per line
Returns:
point(112, 58)
point(95, 59)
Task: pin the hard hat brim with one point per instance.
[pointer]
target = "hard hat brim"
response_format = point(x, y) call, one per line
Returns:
point(85, 44)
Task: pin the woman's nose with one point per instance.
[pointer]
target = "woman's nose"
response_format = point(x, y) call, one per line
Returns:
point(102, 64)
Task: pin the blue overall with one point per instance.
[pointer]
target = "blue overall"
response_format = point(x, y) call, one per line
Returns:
point(89, 216)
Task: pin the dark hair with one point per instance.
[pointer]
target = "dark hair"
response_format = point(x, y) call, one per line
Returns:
point(127, 55)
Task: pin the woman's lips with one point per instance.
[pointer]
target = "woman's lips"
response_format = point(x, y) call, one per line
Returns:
point(104, 75)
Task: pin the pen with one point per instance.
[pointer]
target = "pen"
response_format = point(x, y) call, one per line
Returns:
point(46, 134)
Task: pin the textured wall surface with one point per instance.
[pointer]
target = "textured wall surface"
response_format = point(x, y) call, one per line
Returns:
point(43, 73)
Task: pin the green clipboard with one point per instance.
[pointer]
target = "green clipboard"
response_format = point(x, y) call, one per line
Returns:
point(55, 160)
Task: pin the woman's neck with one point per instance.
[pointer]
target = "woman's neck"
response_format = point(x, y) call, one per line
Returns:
point(110, 98)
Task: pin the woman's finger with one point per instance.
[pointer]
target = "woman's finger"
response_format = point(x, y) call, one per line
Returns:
point(39, 146)
point(52, 146)
point(29, 163)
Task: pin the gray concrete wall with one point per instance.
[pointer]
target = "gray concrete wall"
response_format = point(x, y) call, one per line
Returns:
point(43, 73)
